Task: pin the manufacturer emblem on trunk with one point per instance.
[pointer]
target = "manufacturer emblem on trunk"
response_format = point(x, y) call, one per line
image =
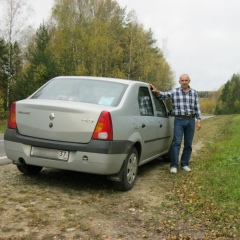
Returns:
point(51, 116)
point(88, 120)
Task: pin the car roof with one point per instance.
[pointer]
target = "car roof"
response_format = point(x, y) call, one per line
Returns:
point(118, 80)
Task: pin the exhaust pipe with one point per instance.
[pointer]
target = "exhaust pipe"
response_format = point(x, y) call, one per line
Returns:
point(20, 161)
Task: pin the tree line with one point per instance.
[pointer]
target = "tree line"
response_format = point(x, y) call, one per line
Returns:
point(88, 37)
point(229, 100)
point(208, 101)
point(94, 38)
point(224, 101)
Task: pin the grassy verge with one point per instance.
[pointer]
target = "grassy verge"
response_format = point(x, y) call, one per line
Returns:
point(3, 125)
point(203, 204)
point(212, 191)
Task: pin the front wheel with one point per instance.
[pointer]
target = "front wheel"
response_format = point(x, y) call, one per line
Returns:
point(128, 172)
point(29, 169)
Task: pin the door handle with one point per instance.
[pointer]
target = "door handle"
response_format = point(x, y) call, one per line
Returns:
point(161, 125)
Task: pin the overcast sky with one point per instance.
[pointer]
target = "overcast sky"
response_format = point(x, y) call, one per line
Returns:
point(198, 37)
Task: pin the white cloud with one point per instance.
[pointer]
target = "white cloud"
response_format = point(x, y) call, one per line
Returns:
point(202, 36)
point(42, 11)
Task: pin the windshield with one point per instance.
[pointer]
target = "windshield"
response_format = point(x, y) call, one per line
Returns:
point(82, 90)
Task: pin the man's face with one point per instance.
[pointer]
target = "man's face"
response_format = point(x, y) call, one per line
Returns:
point(184, 81)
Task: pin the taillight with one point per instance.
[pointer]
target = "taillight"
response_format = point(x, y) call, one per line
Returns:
point(103, 129)
point(12, 117)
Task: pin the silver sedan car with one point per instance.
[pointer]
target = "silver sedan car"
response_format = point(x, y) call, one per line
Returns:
point(94, 125)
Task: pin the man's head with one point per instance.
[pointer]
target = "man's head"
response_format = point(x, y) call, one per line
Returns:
point(184, 81)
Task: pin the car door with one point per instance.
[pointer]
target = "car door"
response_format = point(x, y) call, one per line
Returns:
point(165, 130)
point(149, 125)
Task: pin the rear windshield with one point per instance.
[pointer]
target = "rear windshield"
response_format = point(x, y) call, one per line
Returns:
point(82, 90)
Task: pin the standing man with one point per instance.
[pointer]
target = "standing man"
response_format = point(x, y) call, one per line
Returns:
point(185, 109)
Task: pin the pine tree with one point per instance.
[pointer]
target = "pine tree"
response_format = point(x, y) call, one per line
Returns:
point(41, 65)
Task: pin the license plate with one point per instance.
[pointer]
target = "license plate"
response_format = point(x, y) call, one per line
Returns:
point(50, 153)
point(63, 155)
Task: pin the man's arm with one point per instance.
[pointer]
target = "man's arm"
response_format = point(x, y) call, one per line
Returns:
point(198, 113)
point(154, 90)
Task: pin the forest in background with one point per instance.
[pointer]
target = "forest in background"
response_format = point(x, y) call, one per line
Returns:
point(94, 38)
point(224, 101)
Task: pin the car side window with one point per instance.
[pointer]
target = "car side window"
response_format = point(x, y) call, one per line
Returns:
point(145, 102)
point(160, 107)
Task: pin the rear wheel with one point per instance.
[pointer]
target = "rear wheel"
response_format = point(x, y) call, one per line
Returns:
point(128, 173)
point(29, 169)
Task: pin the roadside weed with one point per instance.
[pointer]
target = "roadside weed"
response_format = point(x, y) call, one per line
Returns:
point(212, 191)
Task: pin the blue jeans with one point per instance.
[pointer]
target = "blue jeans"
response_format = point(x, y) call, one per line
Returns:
point(186, 128)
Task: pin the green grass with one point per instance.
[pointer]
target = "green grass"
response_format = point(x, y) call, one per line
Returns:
point(212, 191)
point(219, 169)
point(3, 125)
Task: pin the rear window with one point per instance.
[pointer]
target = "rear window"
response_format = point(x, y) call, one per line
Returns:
point(82, 90)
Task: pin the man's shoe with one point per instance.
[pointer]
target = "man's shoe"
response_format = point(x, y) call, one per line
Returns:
point(187, 168)
point(173, 170)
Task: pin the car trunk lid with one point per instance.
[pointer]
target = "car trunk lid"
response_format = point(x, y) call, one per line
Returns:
point(47, 119)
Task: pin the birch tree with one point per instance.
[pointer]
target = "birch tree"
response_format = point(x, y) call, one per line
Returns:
point(3, 76)
point(14, 20)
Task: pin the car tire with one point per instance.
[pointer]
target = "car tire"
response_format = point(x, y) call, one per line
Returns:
point(128, 172)
point(29, 169)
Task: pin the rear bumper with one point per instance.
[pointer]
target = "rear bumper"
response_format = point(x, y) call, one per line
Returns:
point(98, 157)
